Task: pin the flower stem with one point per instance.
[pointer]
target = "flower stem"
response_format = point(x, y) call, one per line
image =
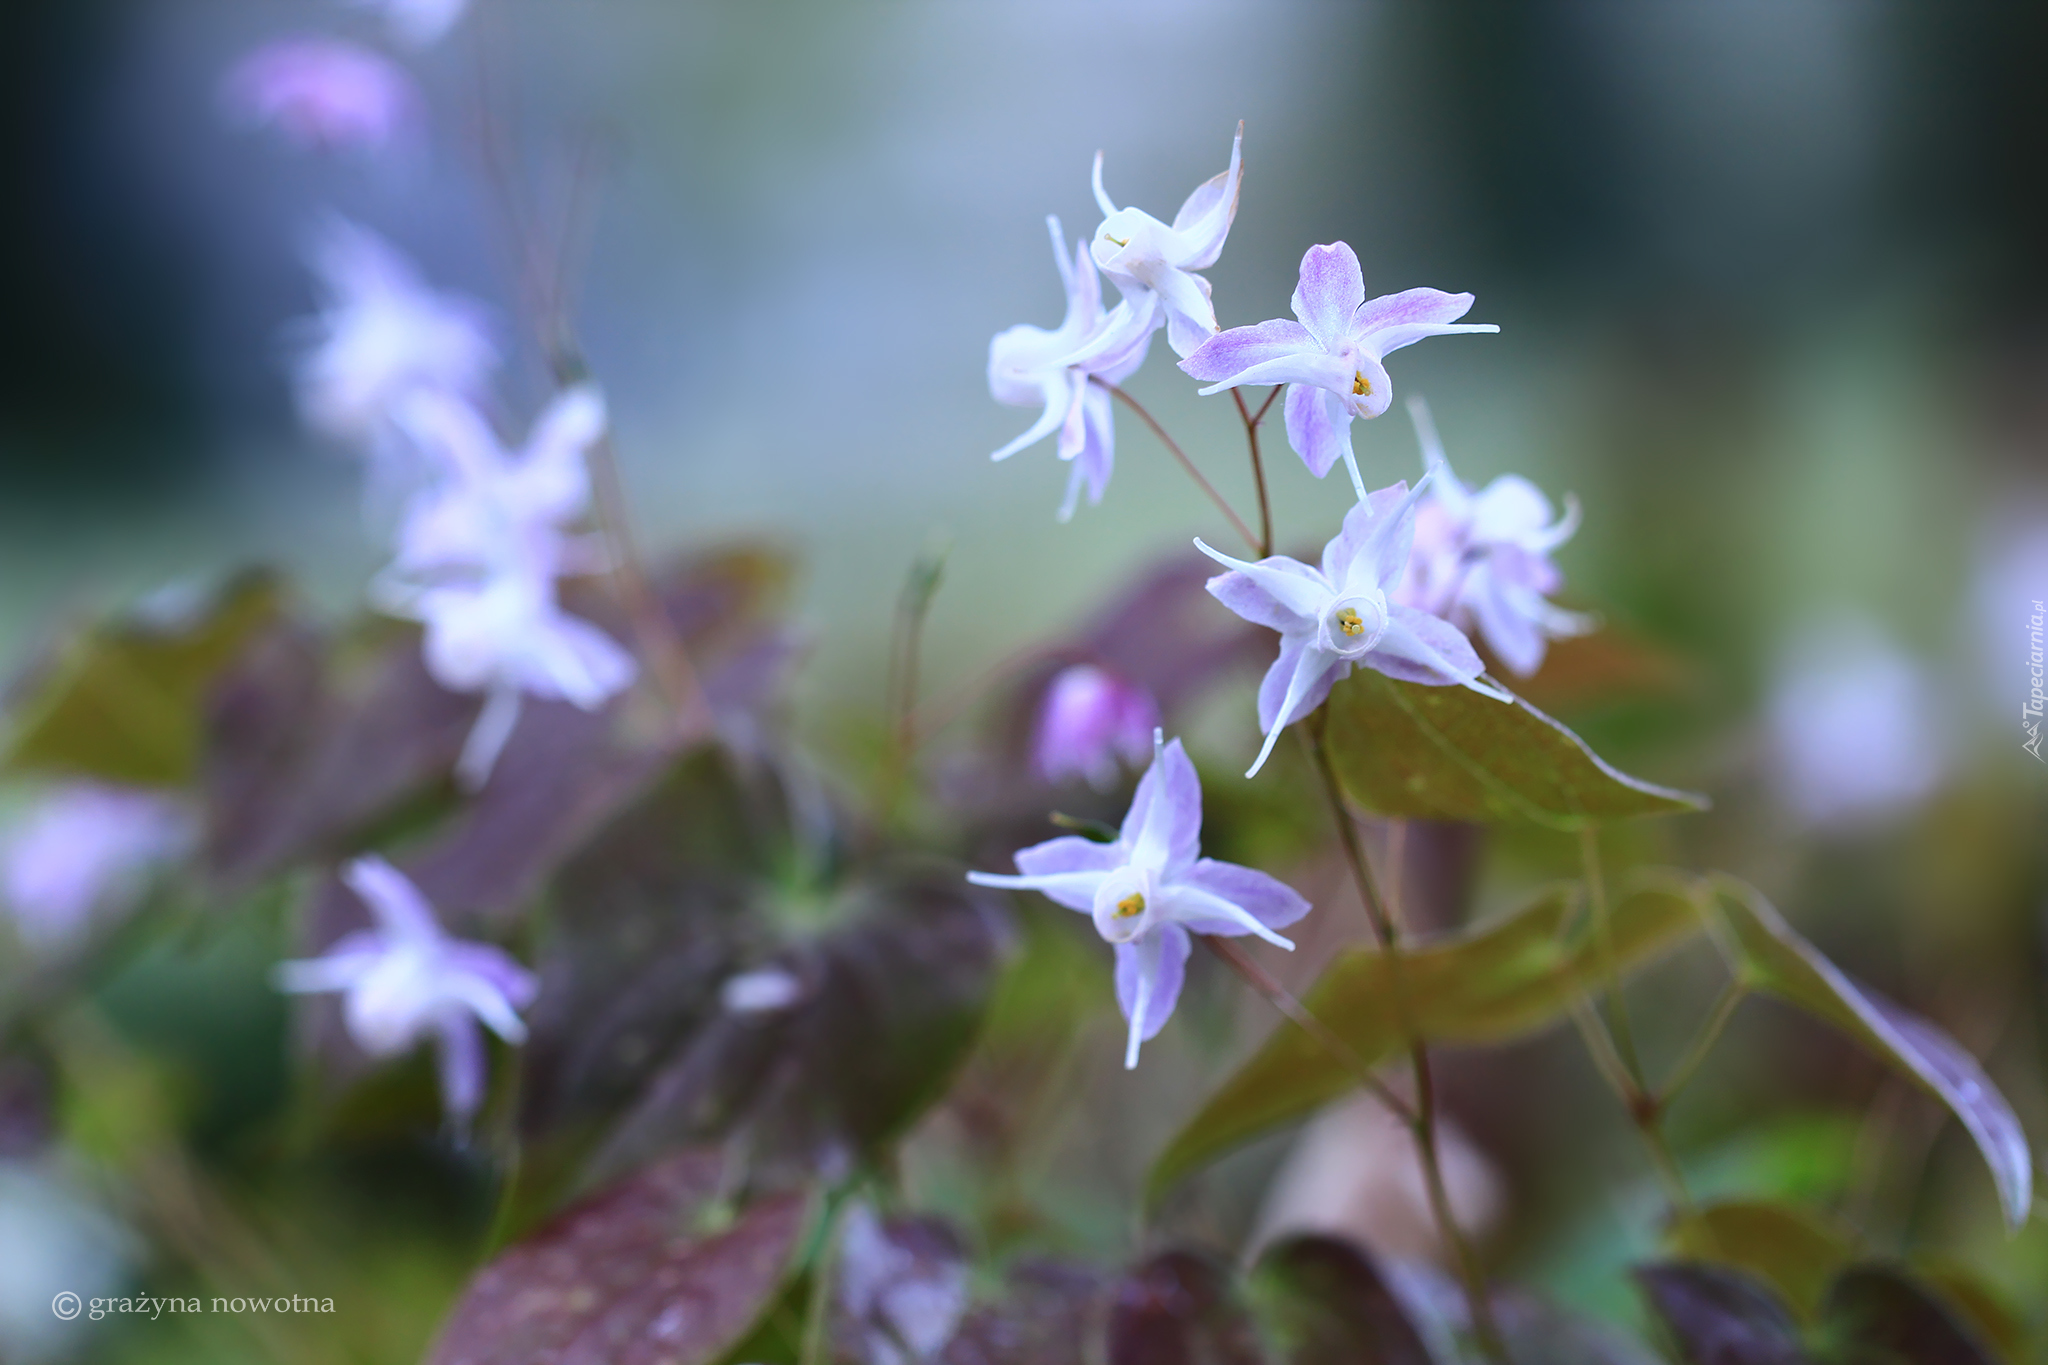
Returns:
point(1251, 437)
point(1422, 1122)
point(1342, 1052)
point(1185, 463)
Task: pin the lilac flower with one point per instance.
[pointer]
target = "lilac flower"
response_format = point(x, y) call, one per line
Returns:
point(1338, 615)
point(1028, 365)
point(405, 979)
point(321, 93)
point(1483, 559)
point(1091, 719)
point(1145, 257)
point(382, 335)
point(418, 23)
point(1149, 890)
point(86, 849)
point(1854, 733)
point(479, 555)
point(1332, 359)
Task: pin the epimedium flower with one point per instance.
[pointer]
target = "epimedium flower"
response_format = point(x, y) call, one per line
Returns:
point(87, 849)
point(479, 557)
point(405, 979)
point(1150, 889)
point(321, 93)
point(1029, 365)
point(1091, 721)
point(1143, 256)
point(1337, 614)
point(1333, 358)
point(1482, 558)
point(380, 336)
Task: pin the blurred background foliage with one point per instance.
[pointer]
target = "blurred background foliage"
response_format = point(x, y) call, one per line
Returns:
point(1773, 293)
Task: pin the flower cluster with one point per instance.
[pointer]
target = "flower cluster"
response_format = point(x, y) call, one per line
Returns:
point(1410, 571)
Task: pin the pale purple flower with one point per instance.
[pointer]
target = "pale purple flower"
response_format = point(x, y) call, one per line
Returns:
point(382, 335)
point(478, 559)
point(1090, 722)
point(1337, 615)
point(321, 93)
point(405, 979)
point(84, 850)
point(1030, 366)
point(1482, 559)
point(1854, 726)
point(1144, 257)
point(418, 23)
point(1150, 890)
point(1332, 359)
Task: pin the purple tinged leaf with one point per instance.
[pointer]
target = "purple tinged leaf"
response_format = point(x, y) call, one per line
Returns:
point(1327, 1305)
point(1719, 1317)
point(622, 1280)
point(1878, 1313)
point(1047, 1314)
point(1777, 960)
point(1177, 1308)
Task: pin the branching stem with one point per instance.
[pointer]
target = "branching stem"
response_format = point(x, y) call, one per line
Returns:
point(1251, 438)
point(1185, 463)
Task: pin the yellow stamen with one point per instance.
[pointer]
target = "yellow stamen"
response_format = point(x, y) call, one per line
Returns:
point(1359, 383)
point(1120, 241)
point(1348, 622)
point(1133, 904)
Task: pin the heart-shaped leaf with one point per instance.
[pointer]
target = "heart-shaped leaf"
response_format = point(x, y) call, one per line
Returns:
point(1499, 981)
point(1718, 1316)
point(625, 1278)
point(125, 701)
point(1447, 753)
point(1774, 959)
point(1795, 1251)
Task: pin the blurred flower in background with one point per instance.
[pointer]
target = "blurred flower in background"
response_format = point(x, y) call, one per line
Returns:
point(322, 94)
point(83, 852)
point(1091, 723)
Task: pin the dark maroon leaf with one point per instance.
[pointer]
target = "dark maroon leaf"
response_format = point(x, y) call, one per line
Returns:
point(1178, 1309)
point(1879, 1315)
point(1325, 1304)
point(625, 1279)
point(900, 1289)
point(1720, 1317)
point(1048, 1314)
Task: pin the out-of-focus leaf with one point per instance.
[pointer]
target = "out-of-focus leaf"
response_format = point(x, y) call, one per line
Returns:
point(1796, 1251)
point(1718, 1316)
point(1608, 665)
point(1047, 1314)
point(302, 753)
point(1877, 1315)
point(900, 1292)
point(1976, 1307)
point(879, 1016)
point(1485, 985)
point(1178, 1309)
point(1447, 753)
point(1775, 959)
point(625, 1279)
point(124, 701)
point(1323, 1303)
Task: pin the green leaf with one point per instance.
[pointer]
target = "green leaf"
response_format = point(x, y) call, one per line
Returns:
point(1500, 981)
point(126, 700)
point(1717, 1316)
point(1796, 1251)
point(1878, 1315)
point(1447, 753)
point(1325, 1304)
point(627, 1275)
point(1774, 959)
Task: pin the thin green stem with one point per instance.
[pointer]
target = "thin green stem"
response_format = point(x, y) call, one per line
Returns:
point(1340, 1051)
point(1710, 1033)
point(1185, 463)
point(1423, 1124)
point(1251, 437)
point(1610, 961)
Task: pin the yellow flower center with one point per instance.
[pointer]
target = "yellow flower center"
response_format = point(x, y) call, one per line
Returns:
point(1348, 622)
point(1360, 385)
point(1133, 904)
